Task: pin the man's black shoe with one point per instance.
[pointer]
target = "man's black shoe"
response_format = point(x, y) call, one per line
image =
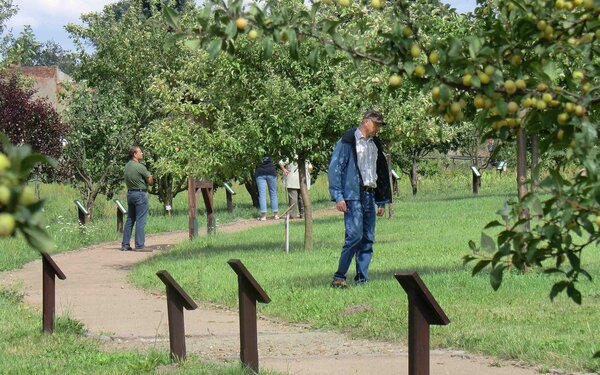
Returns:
point(338, 283)
point(128, 248)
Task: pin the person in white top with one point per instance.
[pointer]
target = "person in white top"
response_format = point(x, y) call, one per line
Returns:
point(292, 184)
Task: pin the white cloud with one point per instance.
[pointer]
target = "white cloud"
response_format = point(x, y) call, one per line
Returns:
point(19, 21)
point(59, 11)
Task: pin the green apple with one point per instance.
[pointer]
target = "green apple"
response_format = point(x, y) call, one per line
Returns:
point(7, 224)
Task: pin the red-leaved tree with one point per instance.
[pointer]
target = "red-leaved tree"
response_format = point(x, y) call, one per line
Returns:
point(25, 119)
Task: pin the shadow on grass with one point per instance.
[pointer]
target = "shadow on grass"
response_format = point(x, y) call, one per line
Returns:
point(321, 279)
point(455, 198)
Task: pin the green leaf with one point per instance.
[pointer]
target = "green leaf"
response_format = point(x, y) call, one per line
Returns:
point(496, 276)
point(214, 48)
point(267, 47)
point(473, 246)
point(493, 224)
point(474, 46)
point(455, 48)
point(573, 293)
point(171, 18)
point(444, 93)
point(574, 260)
point(536, 207)
point(557, 288)
point(192, 44)
point(409, 67)
point(479, 266)
point(32, 160)
point(487, 243)
point(502, 107)
point(550, 69)
point(37, 238)
point(293, 43)
point(313, 57)
point(231, 30)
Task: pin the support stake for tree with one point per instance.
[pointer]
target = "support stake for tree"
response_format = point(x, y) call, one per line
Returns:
point(423, 311)
point(49, 271)
point(177, 300)
point(120, 212)
point(249, 292)
point(207, 194)
point(286, 215)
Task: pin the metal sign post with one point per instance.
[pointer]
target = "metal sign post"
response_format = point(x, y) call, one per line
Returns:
point(249, 291)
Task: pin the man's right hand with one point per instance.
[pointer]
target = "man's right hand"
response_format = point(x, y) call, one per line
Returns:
point(341, 206)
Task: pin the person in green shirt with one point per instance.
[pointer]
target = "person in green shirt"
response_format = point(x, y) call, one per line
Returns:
point(137, 179)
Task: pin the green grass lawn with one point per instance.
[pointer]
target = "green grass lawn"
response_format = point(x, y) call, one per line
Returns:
point(63, 225)
point(24, 349)
point(429, 235)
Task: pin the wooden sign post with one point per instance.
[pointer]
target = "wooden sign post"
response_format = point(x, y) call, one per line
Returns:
point(177, 300)
point(49, 271)
point(423, 310)
point(206, 188)
point(249, 292)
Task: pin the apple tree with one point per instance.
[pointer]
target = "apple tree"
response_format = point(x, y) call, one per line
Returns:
point(530, 67)
point(97, 142)
point(126, 57)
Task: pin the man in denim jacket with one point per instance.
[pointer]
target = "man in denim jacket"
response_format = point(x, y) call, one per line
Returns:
point(359, 183)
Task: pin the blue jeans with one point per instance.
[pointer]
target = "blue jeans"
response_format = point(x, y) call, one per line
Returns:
point(360, 234)
point(137, 213)
point(262, 182)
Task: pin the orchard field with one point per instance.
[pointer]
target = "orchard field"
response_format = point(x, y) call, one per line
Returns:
point(207, 91)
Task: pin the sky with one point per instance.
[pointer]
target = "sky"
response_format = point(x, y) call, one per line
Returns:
point(47, 18)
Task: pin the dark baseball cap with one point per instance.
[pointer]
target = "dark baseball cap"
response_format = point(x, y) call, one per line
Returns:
point(374, 116)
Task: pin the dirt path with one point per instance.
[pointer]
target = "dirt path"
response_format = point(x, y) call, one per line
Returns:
point(97, 293)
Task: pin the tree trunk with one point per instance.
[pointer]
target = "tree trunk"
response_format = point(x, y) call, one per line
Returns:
point(90, 199)
point(308, 212)
point(413, 177)
point(522, 169)
point(389, 163)
point(165, 192)
point(253, 191)
point(535, 159)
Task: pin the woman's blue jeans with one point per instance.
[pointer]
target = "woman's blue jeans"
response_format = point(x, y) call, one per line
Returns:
point(262, 182)
point(137, 213)
point(359, 220)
